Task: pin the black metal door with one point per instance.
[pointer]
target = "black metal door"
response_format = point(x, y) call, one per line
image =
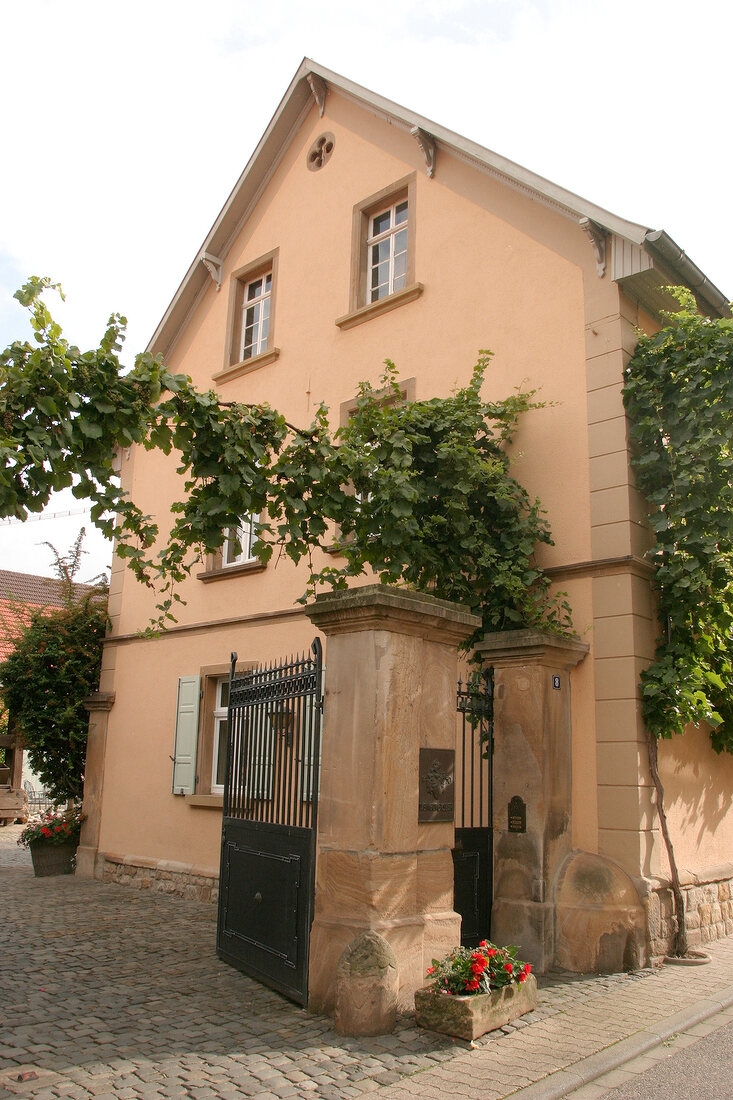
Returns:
point(473, 852)
point(266, 884)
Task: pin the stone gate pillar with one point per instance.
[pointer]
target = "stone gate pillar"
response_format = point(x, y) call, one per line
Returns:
point(531, 781)
point(390, 685)
point(99, 704)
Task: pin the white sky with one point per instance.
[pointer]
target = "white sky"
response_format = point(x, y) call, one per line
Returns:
point(124, 127)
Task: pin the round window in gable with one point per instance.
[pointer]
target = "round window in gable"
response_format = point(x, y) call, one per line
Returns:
point(320, 151)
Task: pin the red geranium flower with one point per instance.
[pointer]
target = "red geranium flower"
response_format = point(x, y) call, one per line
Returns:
point(430, 970)
point(508, 967)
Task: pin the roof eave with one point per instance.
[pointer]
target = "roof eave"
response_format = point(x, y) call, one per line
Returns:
point(246, 190)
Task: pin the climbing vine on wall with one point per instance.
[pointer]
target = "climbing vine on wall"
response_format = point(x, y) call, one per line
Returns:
point(419, 493)
point(678, 394)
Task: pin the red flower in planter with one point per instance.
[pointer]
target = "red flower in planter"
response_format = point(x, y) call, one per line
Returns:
point(466, 971)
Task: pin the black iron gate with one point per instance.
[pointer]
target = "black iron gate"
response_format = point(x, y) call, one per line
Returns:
point(473, 853)
point(266, 885)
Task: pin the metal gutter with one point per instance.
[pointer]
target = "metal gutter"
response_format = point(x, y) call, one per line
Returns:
point(661, 245)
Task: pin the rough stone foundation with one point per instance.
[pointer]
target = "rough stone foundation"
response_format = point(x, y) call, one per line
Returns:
point(708, 909)
point(162, 877)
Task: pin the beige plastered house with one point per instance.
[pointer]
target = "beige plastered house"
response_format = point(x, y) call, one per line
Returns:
point(477, 252)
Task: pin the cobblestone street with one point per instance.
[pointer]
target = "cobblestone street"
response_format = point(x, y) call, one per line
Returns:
point(117, 993)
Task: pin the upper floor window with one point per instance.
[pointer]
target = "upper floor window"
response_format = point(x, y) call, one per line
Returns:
point(235, 555)
point(387, 251)
point(250, 328)
point(382, 253)
point(237, 548)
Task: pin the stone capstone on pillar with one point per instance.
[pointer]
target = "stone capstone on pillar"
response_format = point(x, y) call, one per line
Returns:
point(391, 671)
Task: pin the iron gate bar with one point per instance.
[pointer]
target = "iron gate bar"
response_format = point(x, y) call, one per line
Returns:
point(274, 741)
point(475, 703)
point(472, 855)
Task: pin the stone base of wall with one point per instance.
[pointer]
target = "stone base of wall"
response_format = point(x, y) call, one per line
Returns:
point(708, 897)
point(163, 877)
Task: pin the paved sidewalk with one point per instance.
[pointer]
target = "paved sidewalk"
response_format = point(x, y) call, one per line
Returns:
point(115, 993)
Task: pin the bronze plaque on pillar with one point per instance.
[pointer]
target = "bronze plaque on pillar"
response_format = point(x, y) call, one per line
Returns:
point(517, 815)
point(437, 785)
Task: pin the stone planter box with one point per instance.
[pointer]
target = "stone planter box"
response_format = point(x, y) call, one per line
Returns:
point(52, 859)
point(469, 1017)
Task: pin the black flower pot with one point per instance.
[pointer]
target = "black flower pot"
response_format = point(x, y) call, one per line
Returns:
point(53, 859)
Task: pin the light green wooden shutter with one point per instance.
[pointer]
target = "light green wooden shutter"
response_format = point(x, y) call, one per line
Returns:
point(187, 732)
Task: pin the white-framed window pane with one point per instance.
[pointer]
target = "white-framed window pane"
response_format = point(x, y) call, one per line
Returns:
point(381, 222)
point(387, 245)
point(239, 541)
point(220, 752)
point(265, 323)
point(256, 316)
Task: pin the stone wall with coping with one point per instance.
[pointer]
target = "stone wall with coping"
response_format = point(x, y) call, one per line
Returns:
point(162, 877)
point(708, 900)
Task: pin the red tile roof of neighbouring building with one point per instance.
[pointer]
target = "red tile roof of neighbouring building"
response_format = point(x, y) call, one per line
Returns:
point(19, 592)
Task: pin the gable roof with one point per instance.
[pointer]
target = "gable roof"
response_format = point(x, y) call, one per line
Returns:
point(649, 248)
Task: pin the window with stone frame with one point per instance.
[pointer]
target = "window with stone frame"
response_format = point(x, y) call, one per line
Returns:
point(383, 253)
point(251, 321)
point(235, 555)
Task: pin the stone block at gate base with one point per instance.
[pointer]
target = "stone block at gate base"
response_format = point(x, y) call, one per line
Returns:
point(366, 987)
point(601, 925)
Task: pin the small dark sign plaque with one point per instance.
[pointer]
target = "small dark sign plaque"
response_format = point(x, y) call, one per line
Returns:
point(517, 815)
point(437, 785)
